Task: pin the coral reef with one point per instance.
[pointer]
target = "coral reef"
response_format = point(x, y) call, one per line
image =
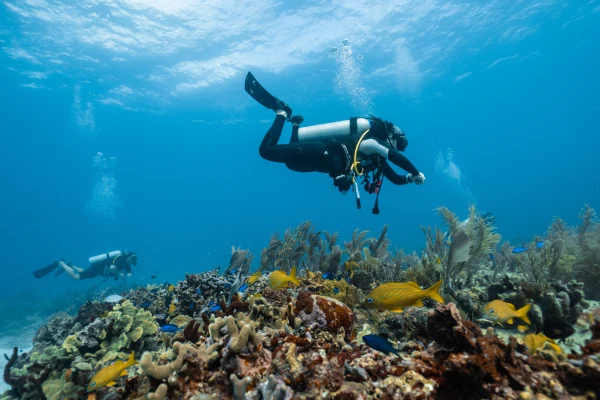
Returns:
point(306, 342)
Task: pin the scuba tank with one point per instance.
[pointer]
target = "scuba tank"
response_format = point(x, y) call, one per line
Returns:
point(334, 130)
point(104, 257)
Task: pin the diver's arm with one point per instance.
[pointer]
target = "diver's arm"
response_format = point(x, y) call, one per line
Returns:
point(393, 177)
point(398, 159)
point(372, 146)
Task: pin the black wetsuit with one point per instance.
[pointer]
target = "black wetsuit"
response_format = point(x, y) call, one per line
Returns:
point(102, 268)
point(326, 156)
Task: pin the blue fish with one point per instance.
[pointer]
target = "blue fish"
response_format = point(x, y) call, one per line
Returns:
point(381, 344)
point(492, 256)
point(243, 288)
point(227, 285)
point(192, 306)
point(539, 244)
point(233, 272)
point(328, 275)
point(211, 303)
point(145, 304)
point(336, 290)
point(215, 308)
point(518, 250)
point(198, 291)
point(169, 328)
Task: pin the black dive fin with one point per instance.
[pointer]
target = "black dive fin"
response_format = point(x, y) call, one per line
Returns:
point(40, 273)
point(260, 94)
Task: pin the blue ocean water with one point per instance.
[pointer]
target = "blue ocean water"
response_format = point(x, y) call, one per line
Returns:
point(499, 102)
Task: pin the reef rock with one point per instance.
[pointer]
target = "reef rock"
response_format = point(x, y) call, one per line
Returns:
point(408, 325)
point(324, 313)
point(55, 332)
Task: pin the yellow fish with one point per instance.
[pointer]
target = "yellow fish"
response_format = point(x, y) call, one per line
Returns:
point(280, 280)
point(351, 266)
point(253, 278)
point(107, 376)
point(500, 311)
point(522, 328)
point(170, 288)
point(172, 308)
point(538, 341)
point(395, 296)
point(438, 261)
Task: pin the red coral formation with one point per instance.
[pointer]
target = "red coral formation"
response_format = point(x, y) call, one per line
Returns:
point(235, 307)
point(324, 313)
point(190, 332)
point(471, 364)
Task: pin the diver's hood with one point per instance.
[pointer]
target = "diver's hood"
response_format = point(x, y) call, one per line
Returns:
point(397, 136)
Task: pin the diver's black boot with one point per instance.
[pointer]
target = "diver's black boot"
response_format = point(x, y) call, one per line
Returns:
point(297, 119)
point(280, 105)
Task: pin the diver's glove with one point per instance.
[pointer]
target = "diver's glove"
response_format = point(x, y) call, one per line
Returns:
point(417, 179)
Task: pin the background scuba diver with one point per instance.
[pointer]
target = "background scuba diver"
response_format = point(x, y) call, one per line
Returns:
point(115, 264)
point(343, 149)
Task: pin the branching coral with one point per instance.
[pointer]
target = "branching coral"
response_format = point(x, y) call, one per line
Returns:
point(239, 386)
point(161, 372)
point(587, 262)
point(435, 244)
point(483, 238)
point(242, 336)
point(300, 246)
point(159, 394)
point(482, 242)
point(353, 248)
point(587, 217)
point(450, 219)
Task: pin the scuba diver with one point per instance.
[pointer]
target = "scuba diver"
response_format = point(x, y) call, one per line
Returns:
point(115, 264)
point(346, 150)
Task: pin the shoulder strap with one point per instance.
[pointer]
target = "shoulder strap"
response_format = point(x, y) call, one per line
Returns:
point(353, 126)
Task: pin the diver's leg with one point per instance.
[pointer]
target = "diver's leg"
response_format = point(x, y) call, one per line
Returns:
point(77, 268)
point(269, 149)
point(296, 121)
point(69, 270)
point(301, 157)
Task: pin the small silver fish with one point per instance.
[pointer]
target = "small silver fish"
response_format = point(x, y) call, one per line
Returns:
point(114, 298)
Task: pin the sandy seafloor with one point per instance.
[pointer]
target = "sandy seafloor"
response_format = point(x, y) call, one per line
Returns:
point(20, 336)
